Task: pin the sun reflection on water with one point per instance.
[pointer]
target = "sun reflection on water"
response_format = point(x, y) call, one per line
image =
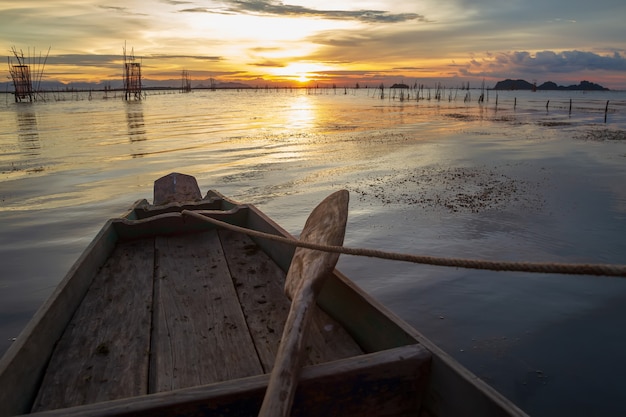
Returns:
point(301, 114)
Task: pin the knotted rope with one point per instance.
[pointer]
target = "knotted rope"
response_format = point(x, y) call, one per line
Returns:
point(538, 267)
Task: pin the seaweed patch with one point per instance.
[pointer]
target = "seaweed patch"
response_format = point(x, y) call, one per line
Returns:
point(455, 189)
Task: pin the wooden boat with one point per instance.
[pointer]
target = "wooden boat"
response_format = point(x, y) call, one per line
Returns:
point(165, 314)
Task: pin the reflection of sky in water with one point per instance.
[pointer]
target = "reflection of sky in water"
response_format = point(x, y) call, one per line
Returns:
point(67, 166)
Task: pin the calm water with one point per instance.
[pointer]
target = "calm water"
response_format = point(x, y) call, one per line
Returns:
point(513, 181)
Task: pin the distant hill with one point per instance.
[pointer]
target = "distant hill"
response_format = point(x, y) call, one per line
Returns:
point(227, 85)
point(509, 84)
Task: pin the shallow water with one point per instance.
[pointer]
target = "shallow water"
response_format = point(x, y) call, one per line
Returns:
point(508, 181)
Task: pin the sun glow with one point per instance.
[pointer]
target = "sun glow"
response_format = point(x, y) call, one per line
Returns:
point(302, 72)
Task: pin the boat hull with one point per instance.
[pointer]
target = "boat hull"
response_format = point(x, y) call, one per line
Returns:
point(396, 372)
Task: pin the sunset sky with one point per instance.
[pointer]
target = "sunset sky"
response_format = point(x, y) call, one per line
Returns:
point(324, 42)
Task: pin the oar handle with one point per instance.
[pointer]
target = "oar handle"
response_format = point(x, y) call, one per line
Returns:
point(283, 381)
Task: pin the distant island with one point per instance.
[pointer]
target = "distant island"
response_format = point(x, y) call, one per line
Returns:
point(549, 85)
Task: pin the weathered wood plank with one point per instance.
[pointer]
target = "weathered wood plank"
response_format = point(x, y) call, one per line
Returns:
point(146, 211)
point(199, 333)
point(387, 383)
point(103, 354)
point(176, 187)
point(259, 283)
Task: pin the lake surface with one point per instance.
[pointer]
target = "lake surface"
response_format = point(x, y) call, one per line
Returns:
point(519, 177)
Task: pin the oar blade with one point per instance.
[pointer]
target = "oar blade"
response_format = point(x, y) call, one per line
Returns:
point(326, 225)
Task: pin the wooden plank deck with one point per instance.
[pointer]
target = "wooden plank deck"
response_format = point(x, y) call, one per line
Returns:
point(200, 334)
point(174, 312)
point(259, 283)
point(103, 353)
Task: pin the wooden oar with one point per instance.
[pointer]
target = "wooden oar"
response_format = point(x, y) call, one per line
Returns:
point(309, 268)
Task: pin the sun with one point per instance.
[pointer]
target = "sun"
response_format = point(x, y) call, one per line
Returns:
point(302, 78)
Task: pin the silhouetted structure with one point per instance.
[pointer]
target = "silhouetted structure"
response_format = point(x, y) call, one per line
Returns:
point(132, 77)
point(22, 82)
point(23, 76)
point(186, 82)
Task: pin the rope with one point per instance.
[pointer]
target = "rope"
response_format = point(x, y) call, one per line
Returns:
point(537, 267)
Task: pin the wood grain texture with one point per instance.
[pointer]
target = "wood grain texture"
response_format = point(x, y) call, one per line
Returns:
point(325, 225)
point(103, 354)
point(199, 335)
point(176, 187)
point(259, 283)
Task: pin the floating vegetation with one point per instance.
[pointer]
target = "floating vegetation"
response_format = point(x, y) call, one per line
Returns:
point(507, 119)
point(600, 135)
point(459, 116)
point(455, 189)
point(552, 123)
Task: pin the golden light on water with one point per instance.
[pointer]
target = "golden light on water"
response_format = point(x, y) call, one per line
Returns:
point(301, 114)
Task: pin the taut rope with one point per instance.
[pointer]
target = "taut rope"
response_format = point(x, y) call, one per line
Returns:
point(540, 267)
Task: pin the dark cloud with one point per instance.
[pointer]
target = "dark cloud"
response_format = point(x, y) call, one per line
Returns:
point(410, 69)
point(114, 60)
point(121, 10)
point(277, 8)
point(568, 61)
point(184, 57)
point(379, 44)
point(352, 73)
point(265, 49)
point(196, 74)
point(85, 60)
point(195, 10)
point(339, 39)
point(549, 62)
point(275, 64)
point(175, 2)
point(113, 8)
